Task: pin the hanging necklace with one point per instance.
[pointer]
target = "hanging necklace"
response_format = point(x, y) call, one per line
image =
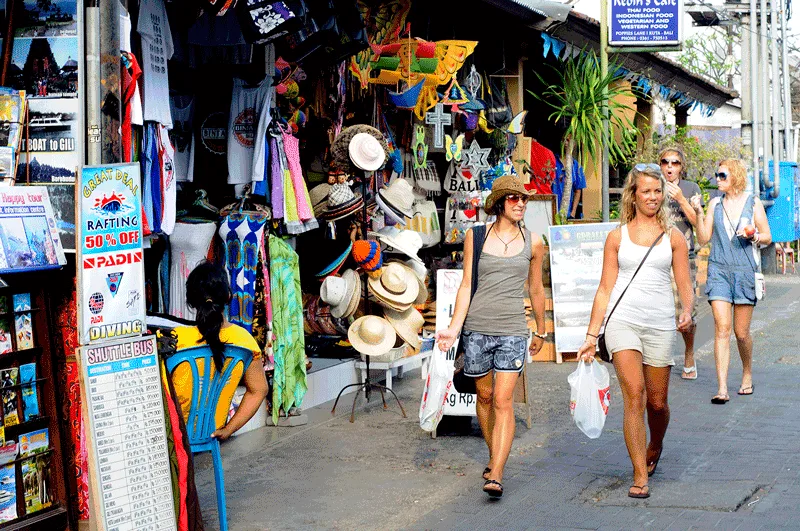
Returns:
point(505, 251)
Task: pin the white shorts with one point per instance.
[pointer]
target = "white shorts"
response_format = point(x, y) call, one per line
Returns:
point(655, 345)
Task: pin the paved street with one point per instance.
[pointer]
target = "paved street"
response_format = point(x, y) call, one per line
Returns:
point(735, 466)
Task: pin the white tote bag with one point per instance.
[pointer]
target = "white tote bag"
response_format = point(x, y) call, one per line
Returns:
point(434, 395)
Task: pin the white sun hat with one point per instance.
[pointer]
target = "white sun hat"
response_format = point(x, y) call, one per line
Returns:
point(366, 152)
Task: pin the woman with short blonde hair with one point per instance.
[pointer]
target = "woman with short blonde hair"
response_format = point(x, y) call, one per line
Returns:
point(640, 329)
point(736, 226)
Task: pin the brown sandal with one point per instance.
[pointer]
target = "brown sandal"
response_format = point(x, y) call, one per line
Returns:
point(642, 492)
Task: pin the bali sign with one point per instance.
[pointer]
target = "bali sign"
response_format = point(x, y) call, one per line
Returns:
point(650, 23)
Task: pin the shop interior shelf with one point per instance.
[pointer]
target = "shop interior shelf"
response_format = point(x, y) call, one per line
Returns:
point(23, 384)
point(45, 519)
point(16, 312)
point(21, 459)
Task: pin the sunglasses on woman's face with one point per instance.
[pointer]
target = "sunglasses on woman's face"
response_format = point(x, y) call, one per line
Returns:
point(670, 162)
point(644, 167)
point(514, 198)
point(721, 176)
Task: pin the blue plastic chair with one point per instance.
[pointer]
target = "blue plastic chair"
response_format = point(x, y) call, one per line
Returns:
point(205, 398)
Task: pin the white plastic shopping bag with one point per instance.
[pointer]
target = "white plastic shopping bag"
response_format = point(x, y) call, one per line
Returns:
point(434, 395)
point(589, 397)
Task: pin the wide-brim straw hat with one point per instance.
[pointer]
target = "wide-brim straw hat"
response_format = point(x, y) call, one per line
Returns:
point(503, 186)
point(319, 198)
point(407, 324)
point(342, 211)
point(387, 303)
point(407, 242)
point(399, 195)
point(355, 297)
point(394, 215)
point(422, 296)
point(372, 335)
point(396, 283)
point(340, 149)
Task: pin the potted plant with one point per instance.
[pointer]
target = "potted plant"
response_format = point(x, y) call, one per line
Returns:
point(577, 101)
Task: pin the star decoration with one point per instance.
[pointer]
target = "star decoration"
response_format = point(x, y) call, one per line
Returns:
point(476, 158)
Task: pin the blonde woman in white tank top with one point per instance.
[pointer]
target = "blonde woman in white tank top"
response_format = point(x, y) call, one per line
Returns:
point(641, 332)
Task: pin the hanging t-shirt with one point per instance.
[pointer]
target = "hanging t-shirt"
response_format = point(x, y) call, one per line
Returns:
point(182, 137)
point(125, 28)
point(156, 49)
point(166, 165)
point(543, 166)
point(247, 128)
point(211, 110)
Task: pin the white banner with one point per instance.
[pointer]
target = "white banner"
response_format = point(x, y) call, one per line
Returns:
point(447, 283)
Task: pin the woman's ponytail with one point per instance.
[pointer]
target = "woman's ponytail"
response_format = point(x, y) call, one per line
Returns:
point(207, 292)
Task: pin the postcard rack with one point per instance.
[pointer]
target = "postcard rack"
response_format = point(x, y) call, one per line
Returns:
point(33, 482)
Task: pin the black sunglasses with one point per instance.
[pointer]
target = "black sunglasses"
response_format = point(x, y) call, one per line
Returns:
point(674, 162)
point(721, 176)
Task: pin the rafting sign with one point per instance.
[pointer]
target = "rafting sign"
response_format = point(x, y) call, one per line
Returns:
point(111, 280)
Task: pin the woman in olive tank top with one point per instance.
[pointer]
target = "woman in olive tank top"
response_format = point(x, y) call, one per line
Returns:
point(495, 331)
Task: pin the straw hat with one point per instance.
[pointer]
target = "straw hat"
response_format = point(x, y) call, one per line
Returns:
point(372, 335)
point(355, 297)
point(413, 266)
point(318, 197)
point(502, 186)
point(367, 254)
point(386, 303)
point(366, 152)
point(343, 210)
point(394, 215)
point(340, 149)
point(399, 195)
point(407, 242)
point(407, 324)
point(338, 292)
point(396, 284)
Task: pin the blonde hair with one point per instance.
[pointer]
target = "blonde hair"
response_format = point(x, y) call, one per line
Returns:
point(681, 155)
point(738, 174)
point(628, 208)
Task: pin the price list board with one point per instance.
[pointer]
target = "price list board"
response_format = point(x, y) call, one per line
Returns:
point(128, 454)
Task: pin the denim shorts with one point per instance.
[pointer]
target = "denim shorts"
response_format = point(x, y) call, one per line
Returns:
point(736, 285)
point(482, 353)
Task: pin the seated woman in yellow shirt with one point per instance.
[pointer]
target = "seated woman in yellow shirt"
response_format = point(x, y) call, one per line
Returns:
point(208, 293)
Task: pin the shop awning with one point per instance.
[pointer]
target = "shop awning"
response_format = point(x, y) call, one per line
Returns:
point(539, 8)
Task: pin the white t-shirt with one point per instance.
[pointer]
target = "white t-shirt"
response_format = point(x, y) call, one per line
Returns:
point(247, 128)
point(125, 27)
point(156, 49)
point(182, 137)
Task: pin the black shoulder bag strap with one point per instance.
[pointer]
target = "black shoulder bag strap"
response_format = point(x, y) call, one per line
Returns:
point(478, 239)
point(634, 276)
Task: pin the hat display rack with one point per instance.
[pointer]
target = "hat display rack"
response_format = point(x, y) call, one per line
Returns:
point(367, 386)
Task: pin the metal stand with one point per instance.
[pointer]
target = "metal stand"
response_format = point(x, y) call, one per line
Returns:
point(366, 385)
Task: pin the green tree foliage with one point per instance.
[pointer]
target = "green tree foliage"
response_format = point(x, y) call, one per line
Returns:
point(577, 101)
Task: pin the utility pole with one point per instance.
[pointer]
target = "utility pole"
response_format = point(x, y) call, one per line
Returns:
point(764, 58)
point(749, 135)
point(776, 97)
point(604, 72)
point(752, 62)
point(788, 140)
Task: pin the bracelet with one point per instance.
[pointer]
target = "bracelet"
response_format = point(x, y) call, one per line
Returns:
point(540, 336)
point(591, 335)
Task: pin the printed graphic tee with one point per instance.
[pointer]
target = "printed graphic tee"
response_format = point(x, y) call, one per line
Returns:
point(166, 163)
point(689, 188)
point(182, 137)
point(247, 131)
point(157, 47)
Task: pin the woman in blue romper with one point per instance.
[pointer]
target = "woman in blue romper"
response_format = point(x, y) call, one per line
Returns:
point(736, 225)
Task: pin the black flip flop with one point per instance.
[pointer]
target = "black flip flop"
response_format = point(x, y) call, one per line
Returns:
point(486, 470)
point(642, 494)
point(752, 389)
point(720, 399)
point(493, 493)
